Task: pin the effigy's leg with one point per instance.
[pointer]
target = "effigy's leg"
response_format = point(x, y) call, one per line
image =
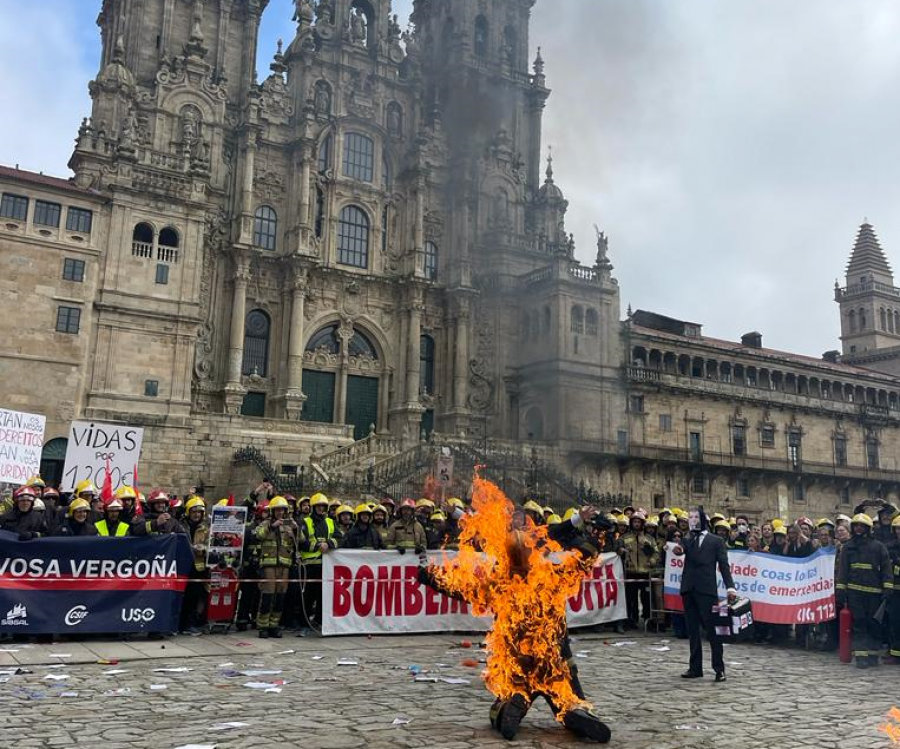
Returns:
point(510, 714)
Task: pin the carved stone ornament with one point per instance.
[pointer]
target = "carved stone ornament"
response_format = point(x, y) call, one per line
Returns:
point(203, 354)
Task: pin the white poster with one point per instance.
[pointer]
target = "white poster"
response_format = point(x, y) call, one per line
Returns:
point(377, 592)
point(21, 442)
point(92, 444)
point(226, 536)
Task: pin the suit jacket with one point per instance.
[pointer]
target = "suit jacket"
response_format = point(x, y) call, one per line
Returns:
point(699, 572)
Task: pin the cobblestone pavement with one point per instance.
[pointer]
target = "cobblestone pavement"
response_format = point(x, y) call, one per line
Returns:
point(773, 697)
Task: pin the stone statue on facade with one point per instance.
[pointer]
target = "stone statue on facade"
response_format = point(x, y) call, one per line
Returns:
point(303, 12)
point(358, 27)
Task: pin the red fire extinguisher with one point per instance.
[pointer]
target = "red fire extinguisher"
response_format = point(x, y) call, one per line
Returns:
point(845, 634)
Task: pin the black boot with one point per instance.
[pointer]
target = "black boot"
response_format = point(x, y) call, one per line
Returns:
point(275, 632)
point(264, 615)
point(587, 726)
point(862, 661)
point(511, 716)
point(874, 661)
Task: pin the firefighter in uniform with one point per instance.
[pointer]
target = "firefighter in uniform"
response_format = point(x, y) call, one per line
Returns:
point(865, 578)
point(380, 522)
point(407, 533)
point(639, 554)
point(159, 520)
point(192, 613)
point(318, 537)
point(250, 574)
point(279, 537)
point(21, 518)
point(893, 607)
point(344, 516)
point(112, 523)
point(363, 535)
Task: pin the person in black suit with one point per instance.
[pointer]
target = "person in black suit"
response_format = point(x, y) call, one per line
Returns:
point(703, 553)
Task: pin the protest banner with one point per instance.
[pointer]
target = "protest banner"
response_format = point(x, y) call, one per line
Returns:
point(92, 444)
point(377, 592)
point(21, 442)
point(782, 590)
point(97, 585)
point(226, 536)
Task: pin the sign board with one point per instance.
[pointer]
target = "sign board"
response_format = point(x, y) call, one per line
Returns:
point(21, 442)
point(226, 536)
point(378, 592)
point(91, 444)
point(782, 590)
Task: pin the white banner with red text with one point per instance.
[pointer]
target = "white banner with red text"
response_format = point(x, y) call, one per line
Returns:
point(782, 590)
point(378, 592)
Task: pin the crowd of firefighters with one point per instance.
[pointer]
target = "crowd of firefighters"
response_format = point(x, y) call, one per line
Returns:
point(286, 538)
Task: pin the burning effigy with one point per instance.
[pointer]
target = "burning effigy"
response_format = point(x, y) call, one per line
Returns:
point(511, 569)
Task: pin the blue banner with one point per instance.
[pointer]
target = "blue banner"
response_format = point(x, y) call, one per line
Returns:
point(92, 585)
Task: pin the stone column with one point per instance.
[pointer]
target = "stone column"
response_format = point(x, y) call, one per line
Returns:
point(345, 334)
point(419, 229)
point(305, 158)
point(246, 232)
point(413, 342)
point(294, 396)
point(461, 358)
point(234, 390)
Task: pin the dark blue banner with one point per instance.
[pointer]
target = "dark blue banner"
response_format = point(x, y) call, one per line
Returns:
point(77, 586)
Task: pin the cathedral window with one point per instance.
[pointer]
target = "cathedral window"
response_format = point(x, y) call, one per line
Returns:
point(142, 240)
point(167, 249)
point(882, 318)
point(68, 319)
point(851, 318)
point(325, 148)
point(592, 321)
point(353, 237)
point(577, 320)
point(481, 36)
point(256, 344)
point(359, 157)
point(361, 346)
point(326, 339)
point(320, 213)
point(80, 220)
point(14, 207)
point(265, 228)
point(431, 261)
point(862, 319)
point(426, 364)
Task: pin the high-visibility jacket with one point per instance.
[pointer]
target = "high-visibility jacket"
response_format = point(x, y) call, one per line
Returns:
point(104, 530)
point(635, 558)
point(317, 530)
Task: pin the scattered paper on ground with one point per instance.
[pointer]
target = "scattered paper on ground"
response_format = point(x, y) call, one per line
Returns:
point(227, 726)
point(56, 677)
point(454, 680)
point(401, 721)
point(347, 662)
point(691, 727)
point(158, 687)
point(663, 649)
point(197, 746)
point(260, 672)
point(178, 670)
point(115, 671)
point(623, 643)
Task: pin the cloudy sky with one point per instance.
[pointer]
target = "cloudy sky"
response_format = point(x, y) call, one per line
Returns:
point(729, 150)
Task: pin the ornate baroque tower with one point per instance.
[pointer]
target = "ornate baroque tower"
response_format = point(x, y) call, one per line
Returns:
point(870, 307)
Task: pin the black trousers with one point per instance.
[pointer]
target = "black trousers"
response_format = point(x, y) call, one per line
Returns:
point(867, 632)
point(697, 612)
point(637, 587)
point(312, 595)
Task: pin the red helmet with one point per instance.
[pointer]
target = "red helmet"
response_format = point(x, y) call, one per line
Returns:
point(26, 491)
point(175, 503)
point(388, 502)
point(114, 504)
point(290, 498)
point(51, 492)
point(157, 495)
point(411, 503)
point(262, 507)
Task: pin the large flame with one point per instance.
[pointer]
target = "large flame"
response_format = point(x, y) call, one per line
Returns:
point(508, 573)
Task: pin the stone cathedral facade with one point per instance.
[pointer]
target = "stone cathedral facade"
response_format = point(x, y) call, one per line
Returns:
point(365, 238)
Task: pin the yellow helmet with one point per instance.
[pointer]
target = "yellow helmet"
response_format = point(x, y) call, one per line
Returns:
point(344, 508)
point(568, 514)
point(124, 492)
point(85, 487)
point(554, 519)
point(680, 514)
point(78, 504)
point(676, 510)
point(424, 502)
point(380, 508)
point(822, 522)
point(716, 517)
point(722, 524)
point(842, 518)
point(361, 508)
point(532, 506)
point(622, 519)
point(195, 502)
point(223, 502)
point(548, 510)
point(456, 502)
point(652, 521)
point(779, 530)
point(895, 523)
point(277, 502)
point(371, 506)
point(777, 523)
point(318, 499)
point(437, 515)
point(36, 480)
point(732, 521)
point(863, 518)
point(334, 502)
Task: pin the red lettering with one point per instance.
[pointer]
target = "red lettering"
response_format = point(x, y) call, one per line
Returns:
point(341, 596)
point(412, 593)
point(576, 601)
point(457, 606)
point(612, 593)
point(388, 599)
point(364, 591)
point(432, 602)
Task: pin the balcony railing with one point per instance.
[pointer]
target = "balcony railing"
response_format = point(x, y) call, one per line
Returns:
point(866, 288)
point(142, 249)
